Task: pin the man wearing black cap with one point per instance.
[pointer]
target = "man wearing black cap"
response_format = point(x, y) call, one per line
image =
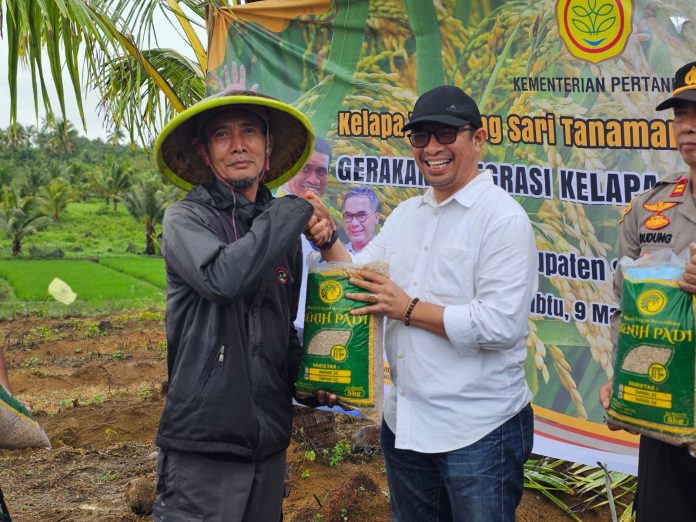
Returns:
point(666, 473)
point(458, 425)
point(233, 260)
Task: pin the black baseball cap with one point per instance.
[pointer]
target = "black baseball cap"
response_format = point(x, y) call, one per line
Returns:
point(445, 104)
point(684, 87)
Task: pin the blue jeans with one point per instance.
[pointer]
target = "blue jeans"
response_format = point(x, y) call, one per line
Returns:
point(479, 483)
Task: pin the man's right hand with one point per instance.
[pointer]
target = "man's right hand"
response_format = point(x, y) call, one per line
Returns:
point(321, 398)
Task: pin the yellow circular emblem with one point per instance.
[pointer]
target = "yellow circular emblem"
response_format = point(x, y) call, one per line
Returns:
point(651, 302)
point(338, 353)
point(594, 30)
point(690, 77)
point(330, 291)
point(657, 373)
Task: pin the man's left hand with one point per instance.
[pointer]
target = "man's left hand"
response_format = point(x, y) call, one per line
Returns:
point(687, 282)
point(384, 295)
point(320, 227)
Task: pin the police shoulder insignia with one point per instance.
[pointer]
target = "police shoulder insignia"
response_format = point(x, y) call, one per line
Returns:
point(625, 212)
point(679, 188)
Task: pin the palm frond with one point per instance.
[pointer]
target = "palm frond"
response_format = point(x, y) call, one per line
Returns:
point(58, 27)
point(46, 36)
point(133, 99)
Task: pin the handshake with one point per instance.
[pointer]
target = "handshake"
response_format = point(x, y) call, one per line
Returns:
point(320, 229)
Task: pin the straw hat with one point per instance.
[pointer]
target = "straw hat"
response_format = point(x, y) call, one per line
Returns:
point(293, 138)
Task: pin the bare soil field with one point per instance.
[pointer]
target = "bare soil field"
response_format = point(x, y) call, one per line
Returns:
point(96, 385)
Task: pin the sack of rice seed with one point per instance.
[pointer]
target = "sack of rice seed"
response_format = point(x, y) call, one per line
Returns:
point(18, 429)
point(655, 365)
point(342, 353)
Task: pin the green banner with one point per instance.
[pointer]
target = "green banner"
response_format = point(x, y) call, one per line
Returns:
point(567, 90)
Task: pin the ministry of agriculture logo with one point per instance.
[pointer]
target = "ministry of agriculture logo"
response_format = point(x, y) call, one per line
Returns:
point(594, 30)
point(651, 302)
point(330, 291)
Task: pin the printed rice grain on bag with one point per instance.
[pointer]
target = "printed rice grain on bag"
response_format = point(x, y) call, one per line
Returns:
point(342, 352)
point(654, 373)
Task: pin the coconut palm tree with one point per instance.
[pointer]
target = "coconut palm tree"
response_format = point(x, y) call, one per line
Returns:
point(146, 202)
point(140, 84)
point(19, 217)
point(22, 140)
point(115, 136)
point(61, 136)
point(34, 178)
point(54, 197)
point(112, 180)
point(22, 137)
point(7, 175)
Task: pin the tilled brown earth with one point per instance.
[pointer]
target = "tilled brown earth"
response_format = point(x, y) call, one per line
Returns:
point(96, 388)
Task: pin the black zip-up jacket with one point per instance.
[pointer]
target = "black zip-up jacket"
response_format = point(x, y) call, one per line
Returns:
point(233, 280)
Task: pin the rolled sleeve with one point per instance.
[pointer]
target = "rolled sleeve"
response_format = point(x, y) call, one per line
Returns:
point(460, 329)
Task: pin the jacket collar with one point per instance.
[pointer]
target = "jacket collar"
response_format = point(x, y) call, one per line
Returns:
point(217, 195)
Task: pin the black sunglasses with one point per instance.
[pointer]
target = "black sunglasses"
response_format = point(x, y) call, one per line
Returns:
point(444, 136)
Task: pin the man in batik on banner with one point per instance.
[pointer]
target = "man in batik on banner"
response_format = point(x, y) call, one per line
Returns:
point(458, 425)
point(666, 473)
point(233, 260)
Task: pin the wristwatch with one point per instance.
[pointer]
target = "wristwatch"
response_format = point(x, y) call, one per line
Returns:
point(330, 242)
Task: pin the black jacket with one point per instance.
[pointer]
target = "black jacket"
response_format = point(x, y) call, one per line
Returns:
point(232, 351)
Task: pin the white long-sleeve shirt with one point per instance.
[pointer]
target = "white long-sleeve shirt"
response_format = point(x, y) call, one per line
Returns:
point(474, 254)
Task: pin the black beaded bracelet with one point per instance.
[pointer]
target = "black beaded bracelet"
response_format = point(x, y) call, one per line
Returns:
point(330, 242)
point(407, 315)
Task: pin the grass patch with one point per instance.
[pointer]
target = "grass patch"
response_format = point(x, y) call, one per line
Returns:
point(150, 269)
point(86, 228)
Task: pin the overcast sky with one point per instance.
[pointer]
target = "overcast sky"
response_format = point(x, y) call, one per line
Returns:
point(167, 37)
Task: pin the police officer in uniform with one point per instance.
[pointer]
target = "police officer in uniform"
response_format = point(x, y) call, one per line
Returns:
point(665, 216)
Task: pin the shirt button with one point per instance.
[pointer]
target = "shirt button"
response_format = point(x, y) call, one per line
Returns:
point(401, 391)
point(425, 248)
point(414, 283)
point(401, 355)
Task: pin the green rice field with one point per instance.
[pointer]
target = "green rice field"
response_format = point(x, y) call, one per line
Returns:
point(91, 245)
point(150, 269)
point(98, 286)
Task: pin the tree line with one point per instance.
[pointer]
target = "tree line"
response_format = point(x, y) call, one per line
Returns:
point(44, 168)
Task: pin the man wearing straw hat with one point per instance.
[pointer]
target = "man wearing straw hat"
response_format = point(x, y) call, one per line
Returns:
point(233, 261)
point(666, 473)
